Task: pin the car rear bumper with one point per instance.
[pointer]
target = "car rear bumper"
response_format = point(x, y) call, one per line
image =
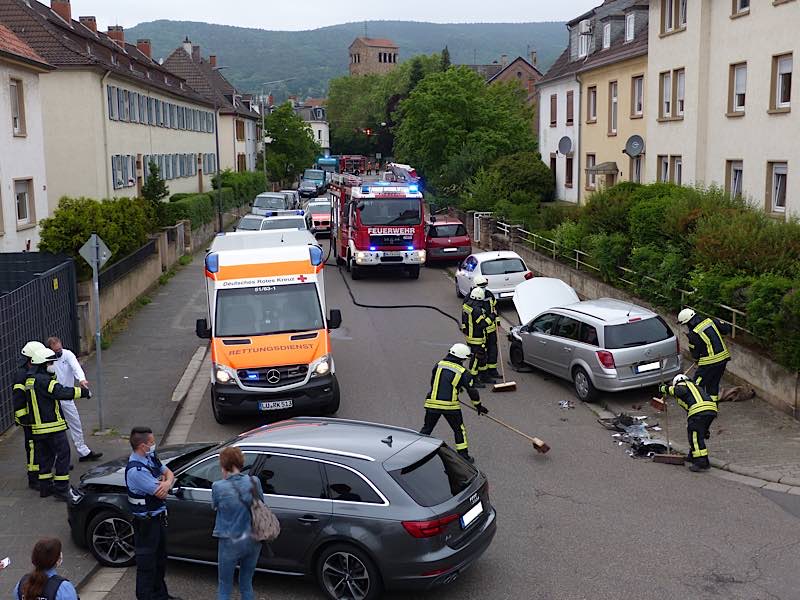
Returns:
point(439, 254)
point(312, 398)
point(612, 383)
point(503, 293)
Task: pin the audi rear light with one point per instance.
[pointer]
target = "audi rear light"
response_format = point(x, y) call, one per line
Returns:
point(426, 529)
point(528, 275)
point(606, 359)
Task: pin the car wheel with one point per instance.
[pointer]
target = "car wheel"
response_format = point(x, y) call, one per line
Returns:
point(110, 538)
point(584, 388)
point(413, 272)
point(459, 293)
point(219, 416)
point(344, 572)
point(355, 270)
point(516, 355)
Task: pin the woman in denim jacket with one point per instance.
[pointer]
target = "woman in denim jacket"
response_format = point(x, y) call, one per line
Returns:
point(231, 498)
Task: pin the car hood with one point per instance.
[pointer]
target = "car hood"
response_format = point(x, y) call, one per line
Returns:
point(534, 296)
point(113, 472)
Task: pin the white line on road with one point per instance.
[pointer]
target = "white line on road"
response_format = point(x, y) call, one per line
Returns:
point(189, 374)
point(179, 432)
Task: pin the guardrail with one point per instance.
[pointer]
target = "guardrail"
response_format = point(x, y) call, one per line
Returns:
point(125, 265)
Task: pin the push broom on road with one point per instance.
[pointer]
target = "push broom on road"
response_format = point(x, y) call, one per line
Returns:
point(540, 446)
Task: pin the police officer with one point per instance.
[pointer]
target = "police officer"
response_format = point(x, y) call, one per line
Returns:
point(48, 426)
point(148, 482)
point(702, 411)
point(449, 377)
point(22, 412)
point(491, 328)
point(708, 348)
point(473, 323)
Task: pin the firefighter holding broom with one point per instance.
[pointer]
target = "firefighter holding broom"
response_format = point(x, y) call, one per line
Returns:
point(701, 411)
point(493, 319)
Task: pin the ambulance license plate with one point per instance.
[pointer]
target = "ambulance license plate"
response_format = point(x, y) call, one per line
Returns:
point(276, 405)
point(472, 514)
point(653, 366)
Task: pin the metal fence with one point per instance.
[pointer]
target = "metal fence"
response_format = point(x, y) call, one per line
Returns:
point(125, 265)
point(38, 297)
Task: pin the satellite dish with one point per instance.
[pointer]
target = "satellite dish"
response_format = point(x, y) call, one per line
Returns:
point(634, 146)
point(565, 145)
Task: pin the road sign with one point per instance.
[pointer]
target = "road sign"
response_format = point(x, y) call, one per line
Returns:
point(95, 252)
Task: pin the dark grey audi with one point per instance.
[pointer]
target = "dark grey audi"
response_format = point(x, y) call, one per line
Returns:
point(363, 507)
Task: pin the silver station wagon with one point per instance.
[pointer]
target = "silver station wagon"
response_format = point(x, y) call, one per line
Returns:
point(600, 345)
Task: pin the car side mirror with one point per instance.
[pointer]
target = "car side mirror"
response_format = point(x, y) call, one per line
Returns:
point(335, 319)
point(250, 204)
point(202, 330)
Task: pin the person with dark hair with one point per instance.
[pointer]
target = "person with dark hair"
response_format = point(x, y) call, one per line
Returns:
point(148, 482)
point(43, 583)
point(231, 497)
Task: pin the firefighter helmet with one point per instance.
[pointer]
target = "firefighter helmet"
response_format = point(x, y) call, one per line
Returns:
point(30, 348)
point(461, 351)
point(480, 281)
point(43, 356)
point(477, 294)
point(678, 378)
point(686, 315)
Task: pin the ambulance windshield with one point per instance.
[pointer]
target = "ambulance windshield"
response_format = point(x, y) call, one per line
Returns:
point(268, 310)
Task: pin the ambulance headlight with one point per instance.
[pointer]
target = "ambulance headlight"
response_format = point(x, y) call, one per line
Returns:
point(321, 366)
point(224, 374)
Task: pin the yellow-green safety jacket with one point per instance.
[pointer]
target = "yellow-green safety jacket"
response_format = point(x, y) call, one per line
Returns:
point(691, 398)
point(491, 311)
point(447, 380)
point(474, 322)
point(44, 394)
point(705, 340)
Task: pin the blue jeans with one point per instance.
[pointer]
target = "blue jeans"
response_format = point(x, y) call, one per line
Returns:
point(231, 553)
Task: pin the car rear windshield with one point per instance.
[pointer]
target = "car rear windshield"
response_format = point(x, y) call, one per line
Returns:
point(637, 333)
point(454, 230)
point(503, 266)
point(278, 202)
point(436, 478)
point(270, 224)
point(249, 224)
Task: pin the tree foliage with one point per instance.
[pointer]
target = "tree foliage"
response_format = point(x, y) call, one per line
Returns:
point(446, 64)
point(293, 147)
point(155, 188)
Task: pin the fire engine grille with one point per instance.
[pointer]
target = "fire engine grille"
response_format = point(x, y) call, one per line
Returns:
point(270, 377)
point(390, 240)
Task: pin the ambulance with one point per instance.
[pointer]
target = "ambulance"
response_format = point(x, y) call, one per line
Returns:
point(270, 348)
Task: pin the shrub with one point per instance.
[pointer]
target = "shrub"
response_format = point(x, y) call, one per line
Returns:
point(553, 215)
point(787, 341)
point(484, 190)
point(245, 185)
point(525, 172)
point(660, 273)
point(607, 210)
point(646, 219)
point(570, 236)
point(198, 208)
point(179, 196)
point(763, 307)
point(608, 251)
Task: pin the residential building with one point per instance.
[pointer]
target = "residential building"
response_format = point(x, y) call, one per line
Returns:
point(612, 47)
point(724, 103)
point(316, 118)
point(373, 56)
point(109, 108)
point(239, 124)
point(523, 71)
point(23, 185)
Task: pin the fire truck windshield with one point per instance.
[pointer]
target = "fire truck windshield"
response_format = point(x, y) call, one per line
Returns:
point(399, 211)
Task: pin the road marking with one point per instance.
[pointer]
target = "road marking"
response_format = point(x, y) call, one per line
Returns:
point(189, 374)
point(179, 432)
point(190, 305)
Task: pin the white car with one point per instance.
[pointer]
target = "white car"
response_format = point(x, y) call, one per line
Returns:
point(504, 269)
point(285, 221)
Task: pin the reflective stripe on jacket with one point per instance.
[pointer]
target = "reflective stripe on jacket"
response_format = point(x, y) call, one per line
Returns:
point(474, 323)
point(447, 380)
point(491, 311)
point(44, 394)
point(706, 343)
point(691, 398)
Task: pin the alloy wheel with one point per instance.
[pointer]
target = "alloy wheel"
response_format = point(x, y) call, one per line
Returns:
point(345, 577)
point(113, 540)
point(581, 384)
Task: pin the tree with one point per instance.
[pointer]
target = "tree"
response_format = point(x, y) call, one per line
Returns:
point(293, 147)
point(446, 58)
point(524, 173)
point(154, 189)
point(415, 74)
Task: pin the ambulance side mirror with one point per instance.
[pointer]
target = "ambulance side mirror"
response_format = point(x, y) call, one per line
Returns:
point(335, 319)
point(202, 330)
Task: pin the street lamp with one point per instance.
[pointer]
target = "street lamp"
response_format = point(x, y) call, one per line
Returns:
point(264, 141)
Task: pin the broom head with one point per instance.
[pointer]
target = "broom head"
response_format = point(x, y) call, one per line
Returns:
point(508, 386)
point(540, 446)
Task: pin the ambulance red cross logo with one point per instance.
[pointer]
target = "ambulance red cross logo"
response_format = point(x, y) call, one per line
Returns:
point(302, 278)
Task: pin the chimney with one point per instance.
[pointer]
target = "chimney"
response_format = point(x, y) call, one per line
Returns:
point(270, 100)
point(89, 23)
point(196, 54)
point(117, 35)
point(212, 60)
point(145, 47)
point(534, 58)
point(62, 8)
point(187, 45)
point(504, 60)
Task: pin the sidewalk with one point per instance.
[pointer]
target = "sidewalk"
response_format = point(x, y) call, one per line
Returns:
point(141, 370)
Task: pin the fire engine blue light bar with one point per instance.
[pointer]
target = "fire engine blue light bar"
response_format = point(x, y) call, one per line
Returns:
point(410, 248)
point(372, 248)
point(413, 188)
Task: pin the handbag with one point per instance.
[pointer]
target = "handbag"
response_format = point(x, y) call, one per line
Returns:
point(265, 526)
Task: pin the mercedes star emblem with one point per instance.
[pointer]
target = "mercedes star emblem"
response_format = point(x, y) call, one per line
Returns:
point(273, 376)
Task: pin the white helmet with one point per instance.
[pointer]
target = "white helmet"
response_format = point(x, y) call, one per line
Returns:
point(43, 355)
point(477, 294)
point(678, 378)
point(461, 351)
point(480, 281)
point(686, 315)
point(30, 348)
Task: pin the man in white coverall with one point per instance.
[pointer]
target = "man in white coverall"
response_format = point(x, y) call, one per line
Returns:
point(68, 370)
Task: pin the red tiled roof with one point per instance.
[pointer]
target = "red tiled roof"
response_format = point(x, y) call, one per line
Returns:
point(376, 42)
point(11, 45)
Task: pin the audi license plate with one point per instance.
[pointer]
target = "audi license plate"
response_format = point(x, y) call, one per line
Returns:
point(472, 514)
point(653, 366)
point(275, 405)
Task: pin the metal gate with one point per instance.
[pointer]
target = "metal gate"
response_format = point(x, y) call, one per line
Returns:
point(38, 296)
point(476, 225)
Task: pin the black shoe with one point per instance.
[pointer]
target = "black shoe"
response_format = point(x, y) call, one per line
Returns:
point(469, 459)
point(60, 496)
point(34, 485)
point(494, 373)
point(45, 492)
point(71, 467)
point(91, 456)
point(698, 469)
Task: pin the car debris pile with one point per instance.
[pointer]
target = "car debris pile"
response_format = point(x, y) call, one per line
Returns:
point(637, 433)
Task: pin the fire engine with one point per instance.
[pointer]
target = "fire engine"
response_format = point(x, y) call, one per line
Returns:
point(377, 224)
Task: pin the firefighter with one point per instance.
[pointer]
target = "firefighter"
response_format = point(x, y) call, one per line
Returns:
point(48, 426)
point(473, 323)
point(449, 377)
point(702, 411)
point(708, 348)
point(23, 415)
point(490, 305)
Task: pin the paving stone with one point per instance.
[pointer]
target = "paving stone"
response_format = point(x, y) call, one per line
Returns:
point(777, 487)
point(751, 481)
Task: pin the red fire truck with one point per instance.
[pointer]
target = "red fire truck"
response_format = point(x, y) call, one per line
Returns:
point(377, 224)
point(352, 163)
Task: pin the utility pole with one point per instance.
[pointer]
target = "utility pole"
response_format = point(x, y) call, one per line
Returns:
point(220, 226)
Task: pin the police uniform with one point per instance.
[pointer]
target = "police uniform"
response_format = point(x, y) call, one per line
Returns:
point(474, 322)
point(708, 348)
point(491, 333)
point(142, 478)
point(449, 377)
point(23, 418)
point(701, 411)
point(49, 429)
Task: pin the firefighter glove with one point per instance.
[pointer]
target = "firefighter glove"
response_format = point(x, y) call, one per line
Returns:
point(482, 410)
point(663, 389)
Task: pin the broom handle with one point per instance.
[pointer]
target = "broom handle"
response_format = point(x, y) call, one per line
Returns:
point(501, 423)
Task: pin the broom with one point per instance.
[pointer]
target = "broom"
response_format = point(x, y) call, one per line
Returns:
point(506, 386)
point(660, 404)
point(538, 445)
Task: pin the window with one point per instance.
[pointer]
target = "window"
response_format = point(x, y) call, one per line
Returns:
point(553, 163)
point(777, 177)
point(239, 130)
point(636, 169)
point(588, 335)
point(436, 478)
point(682, 13)
point(630, 22)
point(666, 95)
point(17, 107)
point(568, 176)
point(606, 36)
point(613, 102)
point(346, 486)
point(167, 114)
point(591, 105)
point(637, 96)
point(568, 328)
point(637, 333)
point(570, 107)
point(289, 476)
point(591, 178)
point(584, 33)
point(667, 15)
point(733, 181)
point(663, 169)
point(782, 83)
point(112, 104)
point(503, 266)
point(553, 110)
point(738, 88)
point(203, 475)
point(23, 190)
point(741, 7)
point(680, 92)
point(677, 170)
point(173, 109)
point(544, 324)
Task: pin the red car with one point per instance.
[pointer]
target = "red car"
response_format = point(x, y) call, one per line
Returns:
point(446, 239)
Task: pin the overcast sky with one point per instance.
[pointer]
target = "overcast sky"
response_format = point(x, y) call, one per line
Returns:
point(310, 14)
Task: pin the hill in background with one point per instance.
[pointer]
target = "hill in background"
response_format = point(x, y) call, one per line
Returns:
point(256, 56)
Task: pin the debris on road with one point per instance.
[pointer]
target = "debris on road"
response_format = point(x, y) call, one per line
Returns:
point(738, 393)
point(566, 404)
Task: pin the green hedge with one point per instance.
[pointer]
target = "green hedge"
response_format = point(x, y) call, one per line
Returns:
point(245, 186)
